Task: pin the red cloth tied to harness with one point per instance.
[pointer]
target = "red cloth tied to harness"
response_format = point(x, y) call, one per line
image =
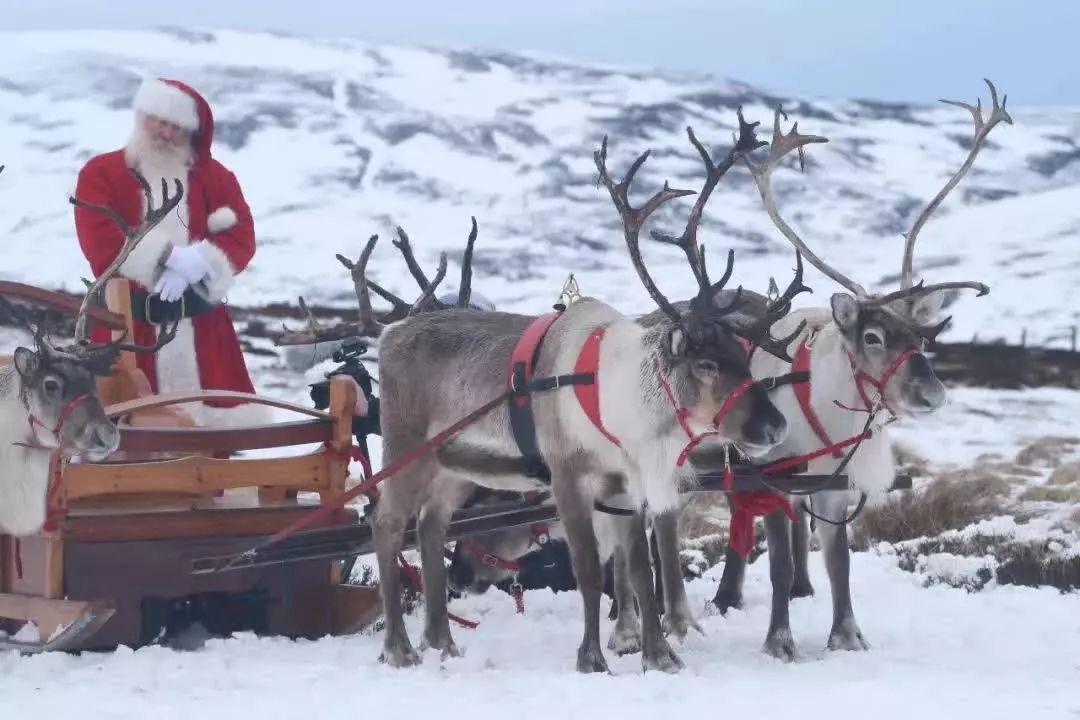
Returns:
point(746, 506)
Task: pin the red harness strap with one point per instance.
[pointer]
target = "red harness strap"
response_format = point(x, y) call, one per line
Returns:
point(522, 361)
point(588, 396)
point(801, 363)
point(588, 362)
point(65, 413)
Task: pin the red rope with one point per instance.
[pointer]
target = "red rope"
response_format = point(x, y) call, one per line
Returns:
point(415, 577)
point(366, 487)
point(746, 505)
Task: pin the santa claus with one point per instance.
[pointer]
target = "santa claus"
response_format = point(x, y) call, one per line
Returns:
point(187, 263)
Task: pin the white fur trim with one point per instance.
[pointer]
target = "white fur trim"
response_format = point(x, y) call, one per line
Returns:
point(245, 415)
point(221, 219)
point(167, 102)
point(177, 363)
point(178, 371)
point(222, 273)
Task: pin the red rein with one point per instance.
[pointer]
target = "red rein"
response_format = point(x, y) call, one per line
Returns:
point(65, 413)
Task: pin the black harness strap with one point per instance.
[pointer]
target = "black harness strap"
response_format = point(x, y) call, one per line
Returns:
point(522, 422)
point(793, 378)
point(610, 510)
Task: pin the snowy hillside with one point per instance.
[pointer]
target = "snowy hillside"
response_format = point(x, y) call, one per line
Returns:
point(335, 140)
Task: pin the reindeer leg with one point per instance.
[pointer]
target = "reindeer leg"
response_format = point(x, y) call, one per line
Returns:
point(656, 654)
point(779, 642)
point(678, 618)
point(800, 549)
point(434, 519)
point(626, 637)
point(729, 591)
point(389, 524)
point(575, 511)
point(845, 633)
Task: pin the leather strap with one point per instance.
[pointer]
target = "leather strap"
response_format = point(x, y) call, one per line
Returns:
point(522, 423)
point(152, 309)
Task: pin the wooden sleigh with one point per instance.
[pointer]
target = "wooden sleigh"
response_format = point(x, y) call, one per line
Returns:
point(115, 567)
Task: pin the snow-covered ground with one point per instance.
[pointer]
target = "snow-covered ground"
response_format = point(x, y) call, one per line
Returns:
point(937, 653)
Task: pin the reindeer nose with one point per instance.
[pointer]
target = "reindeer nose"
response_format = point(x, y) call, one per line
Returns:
point(106, 437)
point(767, 429)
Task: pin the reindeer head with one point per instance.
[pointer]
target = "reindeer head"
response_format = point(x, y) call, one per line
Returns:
point(884, 336)
point(58, 391)
point(702, 354)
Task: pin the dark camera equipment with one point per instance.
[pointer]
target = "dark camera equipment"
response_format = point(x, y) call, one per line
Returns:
point(349, 355)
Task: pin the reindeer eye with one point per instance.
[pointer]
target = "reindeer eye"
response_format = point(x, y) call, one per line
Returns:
point(706, 366)
point(872, 338)
point(51, 385)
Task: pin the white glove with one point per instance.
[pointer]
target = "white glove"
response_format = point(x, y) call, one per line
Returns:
point(189, 263)
point(170, 286)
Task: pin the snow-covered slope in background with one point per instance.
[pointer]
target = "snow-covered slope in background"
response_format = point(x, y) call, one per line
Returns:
point(336, 140)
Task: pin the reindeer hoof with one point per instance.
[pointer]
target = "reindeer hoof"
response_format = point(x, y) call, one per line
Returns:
point(399, 656)
point(781, 645)
point(679, 623)
point(625, 640)
point(445, 644)
point(590, 659)
point(847, 636)
point(726, 598)
point(801, 589)
point(663, 658)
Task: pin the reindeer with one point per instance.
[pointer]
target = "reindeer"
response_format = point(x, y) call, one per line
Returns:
point(48, 395)
point(678, 383)
point(865, 354)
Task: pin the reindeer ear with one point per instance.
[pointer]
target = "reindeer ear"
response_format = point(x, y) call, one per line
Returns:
point(845, 310)
point(26, 362)
point(927, 307)
point(676, 341)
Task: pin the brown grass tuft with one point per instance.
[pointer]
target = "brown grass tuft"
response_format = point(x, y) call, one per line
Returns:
point(950, 502)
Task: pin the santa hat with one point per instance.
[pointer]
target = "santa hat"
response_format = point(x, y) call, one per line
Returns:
point(165, 100)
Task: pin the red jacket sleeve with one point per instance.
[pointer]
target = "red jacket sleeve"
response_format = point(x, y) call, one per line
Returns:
point(99, 237)
point(238, 241)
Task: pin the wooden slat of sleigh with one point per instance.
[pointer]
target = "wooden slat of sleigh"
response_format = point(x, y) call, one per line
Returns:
point(316, 472)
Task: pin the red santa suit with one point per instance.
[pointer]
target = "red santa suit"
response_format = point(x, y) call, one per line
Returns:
point(205, 353)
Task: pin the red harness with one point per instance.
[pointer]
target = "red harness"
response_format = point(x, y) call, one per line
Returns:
point(588, 362)
point(801, 363)
point(540, 534)
point(65, 413)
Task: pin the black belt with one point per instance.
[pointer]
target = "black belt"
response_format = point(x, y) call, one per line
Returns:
point(152, 309)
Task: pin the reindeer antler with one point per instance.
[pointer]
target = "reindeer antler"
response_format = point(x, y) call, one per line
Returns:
point(759, 332)
point(132, 238)
point(633, 218)
point(465, 286)
point(983, 126)
point(695, 254)
point(782, 145)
